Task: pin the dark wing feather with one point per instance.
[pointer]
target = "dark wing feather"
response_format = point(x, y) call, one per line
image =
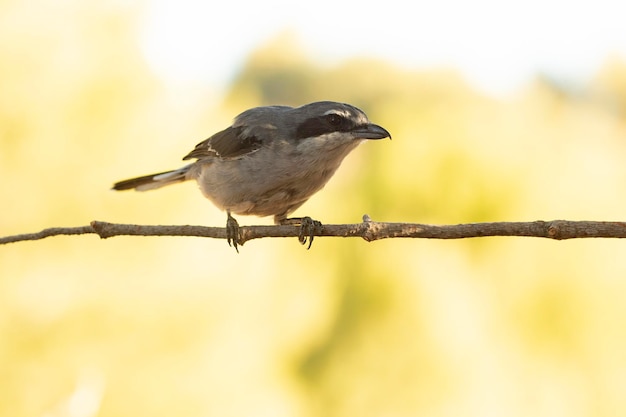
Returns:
point(229, 143)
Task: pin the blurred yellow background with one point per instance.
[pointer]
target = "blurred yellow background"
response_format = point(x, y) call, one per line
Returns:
point(134, 326)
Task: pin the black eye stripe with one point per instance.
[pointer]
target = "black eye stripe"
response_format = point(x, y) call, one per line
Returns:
point(329, 123)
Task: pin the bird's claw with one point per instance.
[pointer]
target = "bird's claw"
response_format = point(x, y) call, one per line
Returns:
point(308, 229)
point(232, 232)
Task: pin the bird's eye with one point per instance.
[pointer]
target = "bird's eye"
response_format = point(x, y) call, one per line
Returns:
point(334, 119)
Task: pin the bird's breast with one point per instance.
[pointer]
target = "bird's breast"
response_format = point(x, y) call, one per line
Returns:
point(266, 183)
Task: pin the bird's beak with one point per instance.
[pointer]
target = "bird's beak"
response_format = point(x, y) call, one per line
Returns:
point(371, 131)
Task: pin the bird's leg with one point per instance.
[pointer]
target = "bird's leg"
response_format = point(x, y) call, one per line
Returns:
point(232, 231)
point(308, 228)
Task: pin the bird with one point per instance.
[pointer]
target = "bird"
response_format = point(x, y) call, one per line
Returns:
point(270, 161)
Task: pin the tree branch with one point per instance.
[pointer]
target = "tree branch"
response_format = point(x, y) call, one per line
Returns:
point(368, 230)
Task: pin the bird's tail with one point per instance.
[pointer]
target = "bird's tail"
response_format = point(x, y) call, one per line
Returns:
point(154, 181)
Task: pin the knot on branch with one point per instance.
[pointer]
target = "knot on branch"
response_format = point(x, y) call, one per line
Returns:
point(554, 230)
point(369, 229)
point(101, 229)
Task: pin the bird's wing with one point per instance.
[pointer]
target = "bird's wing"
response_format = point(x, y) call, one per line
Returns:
point(231, 142)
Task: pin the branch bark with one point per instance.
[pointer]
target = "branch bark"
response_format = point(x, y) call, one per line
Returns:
point(368, 230)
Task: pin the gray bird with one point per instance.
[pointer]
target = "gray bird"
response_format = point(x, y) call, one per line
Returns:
point(270, 161)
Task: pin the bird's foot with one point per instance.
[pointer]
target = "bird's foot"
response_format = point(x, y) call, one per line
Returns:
point(308, 228)
point(232, 232)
